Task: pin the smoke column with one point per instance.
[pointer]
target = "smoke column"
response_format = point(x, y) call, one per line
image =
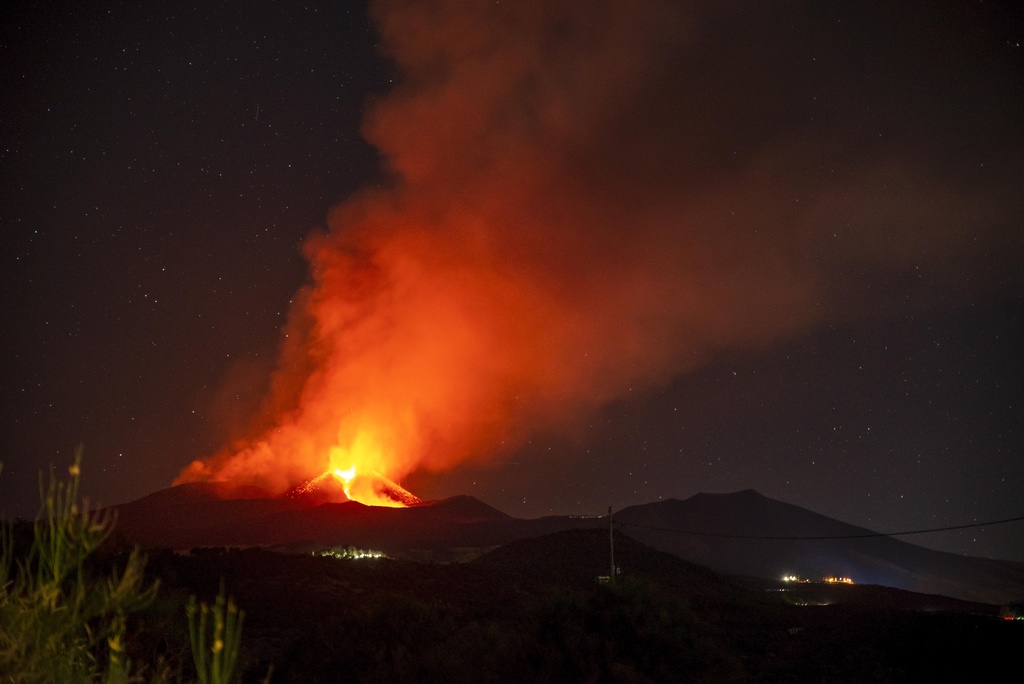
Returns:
point(580, 199)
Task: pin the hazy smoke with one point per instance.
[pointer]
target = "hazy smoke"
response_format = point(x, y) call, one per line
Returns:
point(590, 195)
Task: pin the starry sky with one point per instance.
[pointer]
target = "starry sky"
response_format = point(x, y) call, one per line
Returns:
point(163, 165)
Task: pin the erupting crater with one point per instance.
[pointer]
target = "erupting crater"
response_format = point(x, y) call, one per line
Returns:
point(339, 486)
point(373, 489)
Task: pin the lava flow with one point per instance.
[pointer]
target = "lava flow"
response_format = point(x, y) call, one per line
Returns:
point(362, 483)
point(374, 489)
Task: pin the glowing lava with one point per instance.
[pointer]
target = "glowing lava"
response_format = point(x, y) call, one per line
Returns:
point(346, 478)
point(337, 485)
point(361, 479)
point(373, 489)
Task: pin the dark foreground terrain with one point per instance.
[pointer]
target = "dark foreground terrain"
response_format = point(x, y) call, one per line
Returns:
point(533, 611)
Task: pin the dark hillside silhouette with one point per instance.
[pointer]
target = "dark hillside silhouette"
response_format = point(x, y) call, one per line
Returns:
point(712, 530)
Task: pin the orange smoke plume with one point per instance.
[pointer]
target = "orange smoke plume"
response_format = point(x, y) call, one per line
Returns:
point(561, 224)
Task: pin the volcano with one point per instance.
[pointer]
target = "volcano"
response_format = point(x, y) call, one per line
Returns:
point(334, 487)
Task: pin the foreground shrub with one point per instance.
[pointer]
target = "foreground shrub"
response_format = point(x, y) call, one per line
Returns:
point(60, 624)
point(56, 623)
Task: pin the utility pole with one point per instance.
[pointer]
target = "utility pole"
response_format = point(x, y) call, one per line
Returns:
point(611, 546)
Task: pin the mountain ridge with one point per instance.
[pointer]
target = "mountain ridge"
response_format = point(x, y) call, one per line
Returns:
point(730, 533)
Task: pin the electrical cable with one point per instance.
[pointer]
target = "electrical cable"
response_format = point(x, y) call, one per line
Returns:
point(837, 536)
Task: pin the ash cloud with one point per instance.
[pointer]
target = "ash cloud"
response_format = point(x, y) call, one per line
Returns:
point(586, 196)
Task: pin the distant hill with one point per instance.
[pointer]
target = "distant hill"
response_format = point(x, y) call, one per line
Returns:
point(706, 529)
point(578, 557)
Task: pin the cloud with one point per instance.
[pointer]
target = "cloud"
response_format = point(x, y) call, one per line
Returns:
point(585, 196)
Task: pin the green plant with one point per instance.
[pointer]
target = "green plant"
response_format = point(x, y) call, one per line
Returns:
point(57, 624)
point(215, 646)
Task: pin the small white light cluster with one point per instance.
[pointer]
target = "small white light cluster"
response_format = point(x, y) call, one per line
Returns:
point(350, 553)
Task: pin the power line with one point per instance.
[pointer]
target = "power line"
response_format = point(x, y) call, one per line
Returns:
point(838, 536)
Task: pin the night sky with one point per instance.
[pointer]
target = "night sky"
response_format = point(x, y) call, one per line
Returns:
point(789, 234)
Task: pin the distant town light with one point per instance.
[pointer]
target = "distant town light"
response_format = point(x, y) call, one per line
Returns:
point(838, 580)
point(350, 553)
point(826, 580)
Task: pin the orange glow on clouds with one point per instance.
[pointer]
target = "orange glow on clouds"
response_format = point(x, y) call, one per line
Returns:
point(562, 224)
point(518, 272)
